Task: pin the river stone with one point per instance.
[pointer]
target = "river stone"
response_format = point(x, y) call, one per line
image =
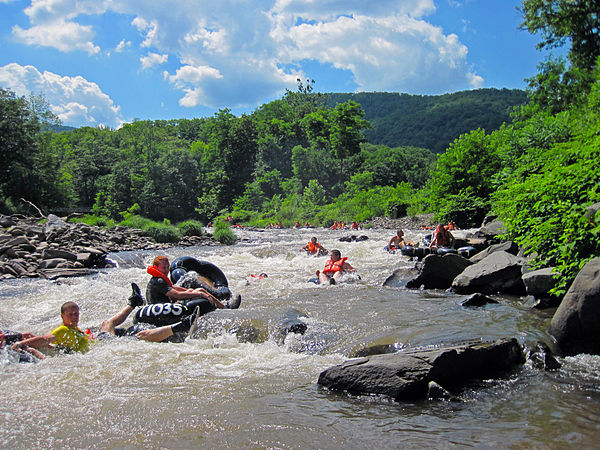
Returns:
point(541, 357)
point(51, 253)
point(477, 300)
point(575, 322)
point(437, 392)
point(291, 322)
point(406, 375)
point(591, 213)
point(6, 221)
point(55, 224)
point(401, 276)
point(499, 272)
point(53, 274)
point(539, 282)
point(17, 241)
point(438, 272)
point(491, 230)
point(508, 246)
point(52, 263)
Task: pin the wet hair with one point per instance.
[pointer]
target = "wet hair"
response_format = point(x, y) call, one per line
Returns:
point(336, 252)
point(264, 275)
point(158, 259)
point(400, 231)
point(68, 305)
point(314, 237)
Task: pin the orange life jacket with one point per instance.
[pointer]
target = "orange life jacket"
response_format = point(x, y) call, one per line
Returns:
point(153, 270)
point(313, 248)
point(332, 267)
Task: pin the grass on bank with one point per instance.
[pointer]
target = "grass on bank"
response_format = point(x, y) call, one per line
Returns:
point(162, 232)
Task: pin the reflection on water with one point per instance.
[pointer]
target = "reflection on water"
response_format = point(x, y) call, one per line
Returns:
point(237, 385)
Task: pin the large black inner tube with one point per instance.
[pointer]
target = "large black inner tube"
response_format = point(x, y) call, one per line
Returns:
point(219, 287)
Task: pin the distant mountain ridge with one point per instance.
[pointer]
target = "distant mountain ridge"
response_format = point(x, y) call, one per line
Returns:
point(432, 121)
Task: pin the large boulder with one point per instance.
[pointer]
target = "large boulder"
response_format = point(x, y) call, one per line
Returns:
point(499, 272)
point(575, 323)
point(407, 375)
point(437, 272)
point(507, 246)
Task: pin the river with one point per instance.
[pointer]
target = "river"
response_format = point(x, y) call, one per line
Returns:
point(236, 385)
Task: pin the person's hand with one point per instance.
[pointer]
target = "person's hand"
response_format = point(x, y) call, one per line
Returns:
point(144, 334)
point(16, 346)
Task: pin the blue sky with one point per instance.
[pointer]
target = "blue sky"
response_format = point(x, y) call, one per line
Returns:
point(106, 62)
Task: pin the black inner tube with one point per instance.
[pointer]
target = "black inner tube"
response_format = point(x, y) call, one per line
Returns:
point(220, 288)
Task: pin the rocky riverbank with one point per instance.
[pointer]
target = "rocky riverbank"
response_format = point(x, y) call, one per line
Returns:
point(57, 248)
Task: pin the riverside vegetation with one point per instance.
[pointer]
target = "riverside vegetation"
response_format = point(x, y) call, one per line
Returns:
point(302, 159)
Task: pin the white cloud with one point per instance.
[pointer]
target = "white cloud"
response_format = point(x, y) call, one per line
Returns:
point(65, 36)
point(76, 101)
point(121, 46)
point(237, 53)
point(153, 59)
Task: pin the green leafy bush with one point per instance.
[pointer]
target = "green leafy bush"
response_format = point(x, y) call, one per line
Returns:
point(545, 200)
point(191, 228)
point(135, 221)
point(162, 232)
point(223, 233)
point(95, 221)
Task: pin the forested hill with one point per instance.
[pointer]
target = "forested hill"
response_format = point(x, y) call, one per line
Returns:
point(432, 121)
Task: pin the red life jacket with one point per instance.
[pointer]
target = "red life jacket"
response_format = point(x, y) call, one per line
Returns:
point(153, 270)
point(333, 267)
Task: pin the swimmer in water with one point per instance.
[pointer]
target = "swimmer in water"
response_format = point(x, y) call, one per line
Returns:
point(70, 337)
point(334, 268)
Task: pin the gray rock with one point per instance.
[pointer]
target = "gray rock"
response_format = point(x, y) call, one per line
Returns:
point(491, 230)
point(507, 246)
point(55, 224)
point(437, 392)
point(539, 282)
point(6, 221)
point(575, 322)
point(401, 276)
point(291, 322)
point(438, 272)
point(51, 253)
point(592, 212)
point(499, 272)
point(51, 263)
point(16, 242)
point(542, 358)
point(477, 299)
point(406, 375)
point(53, 274)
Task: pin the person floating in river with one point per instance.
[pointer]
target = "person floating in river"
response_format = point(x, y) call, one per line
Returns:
point(441, 238)
point(160, 289)
point(69, 337)
point(397, 241)
point(334, 268)
point(314, 248)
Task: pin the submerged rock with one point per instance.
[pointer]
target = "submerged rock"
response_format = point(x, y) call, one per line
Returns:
point(477, 300)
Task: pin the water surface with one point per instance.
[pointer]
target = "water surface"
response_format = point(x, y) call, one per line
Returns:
point(237, 385)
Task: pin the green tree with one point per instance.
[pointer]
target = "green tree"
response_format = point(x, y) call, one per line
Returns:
point(560, 21)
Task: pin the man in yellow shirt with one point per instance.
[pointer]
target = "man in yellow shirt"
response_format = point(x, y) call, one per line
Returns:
point(68, 336)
